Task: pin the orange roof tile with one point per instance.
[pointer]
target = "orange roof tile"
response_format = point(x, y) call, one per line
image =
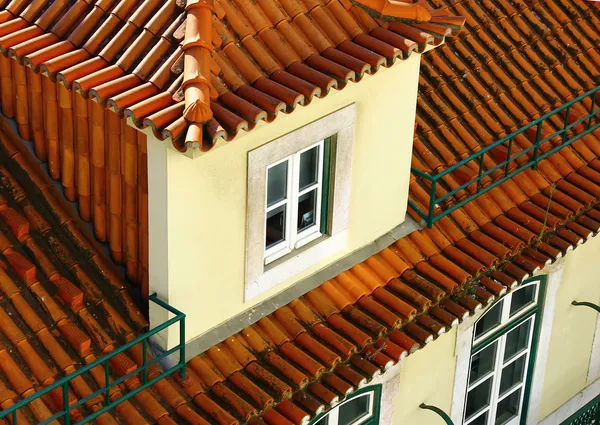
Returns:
point(515, 62)
point(196, 71)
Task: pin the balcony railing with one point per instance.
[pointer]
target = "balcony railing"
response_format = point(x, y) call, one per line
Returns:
point(141, 372)
point(528, 157)
point(587, 415)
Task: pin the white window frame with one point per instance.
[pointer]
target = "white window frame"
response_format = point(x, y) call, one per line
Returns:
point(333, 415)
point(294, 239)
point(499, 364)
point(260, 277)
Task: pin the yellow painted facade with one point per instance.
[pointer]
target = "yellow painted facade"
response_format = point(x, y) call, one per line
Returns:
point(205, 198)
point(573, 328)
point(426, 376)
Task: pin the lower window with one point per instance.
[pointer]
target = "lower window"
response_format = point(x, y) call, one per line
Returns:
point(502, 359)
point(362, 408)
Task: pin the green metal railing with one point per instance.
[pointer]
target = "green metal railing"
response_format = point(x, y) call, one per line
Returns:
point(142, 371)
point(533, 156)
point(588, 415)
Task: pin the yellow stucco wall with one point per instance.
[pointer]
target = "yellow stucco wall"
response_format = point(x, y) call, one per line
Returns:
point(206, 196)
point(427, 376)
point(573, 328)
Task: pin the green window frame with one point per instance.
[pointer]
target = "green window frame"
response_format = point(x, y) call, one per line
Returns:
point(338, 415)
point(502, 362)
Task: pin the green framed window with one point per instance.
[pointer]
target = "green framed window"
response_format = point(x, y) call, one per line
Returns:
point(297, 203)
point(503, 356)
point(361, 408)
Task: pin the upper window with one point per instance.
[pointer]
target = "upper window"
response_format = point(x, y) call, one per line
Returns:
point(499, 367)
point(297, 200)
point(361, 409)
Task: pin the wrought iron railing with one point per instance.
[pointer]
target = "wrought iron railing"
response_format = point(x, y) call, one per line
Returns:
point(587, 415)
point(532, 155)
point(141, 372)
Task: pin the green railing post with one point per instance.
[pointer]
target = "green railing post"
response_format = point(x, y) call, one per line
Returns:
point(14, 417)
point(182, 373)
point(439, 411)
point(536, 148)
point(106, 381)
point(592, 113)
point(508, 158)
point(564, 138)
point(144, 351)
point(432, 202)
point(480, 173)
point(66, 407)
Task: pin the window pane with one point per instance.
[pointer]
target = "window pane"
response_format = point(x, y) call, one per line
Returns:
point(277, 183)
point(309, 167)
point(307, 205)
point(512, 375)
point(275, 226)
point(478, 398)
point(517, 340)
point(522, 298)
point(482, 363)
point(481, 420)
point(508, 408)
point(322, 421)
point(353, 410)
point(490, 320)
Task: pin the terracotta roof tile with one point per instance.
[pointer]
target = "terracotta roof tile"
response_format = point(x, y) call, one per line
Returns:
point(125, 53)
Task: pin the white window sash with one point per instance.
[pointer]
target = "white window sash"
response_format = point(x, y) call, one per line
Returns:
point(499, 366)
point(505, 319)
point(333, 415)
point(293, 238)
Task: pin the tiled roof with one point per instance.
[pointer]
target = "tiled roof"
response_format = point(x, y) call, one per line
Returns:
point(163, 63)
point(509, 66)
point(62, 304)
point(514, 63)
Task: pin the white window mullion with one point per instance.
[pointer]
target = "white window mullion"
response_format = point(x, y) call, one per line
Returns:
point(292, 237)
point(320, 185)
point(497, 378)
point(293, 184)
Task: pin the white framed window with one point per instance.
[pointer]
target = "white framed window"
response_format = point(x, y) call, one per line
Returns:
point(294, 201)
point(499, 367)
point(360, 409)
point(298, 200)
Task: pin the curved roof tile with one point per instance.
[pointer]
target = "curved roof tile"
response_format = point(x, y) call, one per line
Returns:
point(232, 63)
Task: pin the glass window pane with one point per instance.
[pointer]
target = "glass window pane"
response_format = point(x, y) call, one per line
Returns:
point(478, 398)
point(275, 226)
point(309, 167)
point(322, 421)
point(307, 205)
point(481, 420)
point(522, 298)
point(353, 410)
point(508, 408)
point(277, 183)
point(482, 363)
point(517, 340)
point(512, 374)
point(490, 320)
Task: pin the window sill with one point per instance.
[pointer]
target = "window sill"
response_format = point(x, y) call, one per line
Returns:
point(297, 262)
